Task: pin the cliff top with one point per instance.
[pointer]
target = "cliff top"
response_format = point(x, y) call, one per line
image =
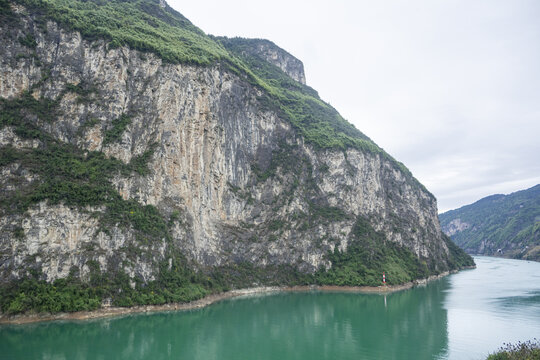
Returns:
point(269, 52)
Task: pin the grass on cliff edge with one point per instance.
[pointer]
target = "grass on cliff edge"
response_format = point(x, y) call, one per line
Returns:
point(144, 25)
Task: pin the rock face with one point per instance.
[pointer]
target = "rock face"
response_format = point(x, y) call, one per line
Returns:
point(455, 226)
point(275, 55)
point(236, 180)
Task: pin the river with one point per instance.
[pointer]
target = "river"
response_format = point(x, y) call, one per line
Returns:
point(463, 316)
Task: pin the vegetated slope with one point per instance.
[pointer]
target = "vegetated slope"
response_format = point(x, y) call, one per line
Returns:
point(507, 225)
point(145, 162)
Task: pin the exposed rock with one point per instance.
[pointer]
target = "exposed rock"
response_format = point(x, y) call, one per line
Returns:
point(455, 226)
point(211, 140)
point(282, 59)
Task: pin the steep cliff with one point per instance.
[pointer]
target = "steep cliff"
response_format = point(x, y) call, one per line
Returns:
point(268, 52)
point(498, 225)
point(139, 156)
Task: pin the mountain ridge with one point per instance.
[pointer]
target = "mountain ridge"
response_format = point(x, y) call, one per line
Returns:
point(131, 177)
point(498, 224)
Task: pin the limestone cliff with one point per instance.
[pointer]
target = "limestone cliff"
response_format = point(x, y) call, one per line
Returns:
point(114, 159)
point(270, 52)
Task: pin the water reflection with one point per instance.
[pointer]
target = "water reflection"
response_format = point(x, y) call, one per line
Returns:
point(406, 325)
point(464, 316)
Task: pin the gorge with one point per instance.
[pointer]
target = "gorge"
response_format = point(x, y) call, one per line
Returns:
point(145, 162)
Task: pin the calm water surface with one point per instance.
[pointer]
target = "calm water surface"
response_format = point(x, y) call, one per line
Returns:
point(463, 316)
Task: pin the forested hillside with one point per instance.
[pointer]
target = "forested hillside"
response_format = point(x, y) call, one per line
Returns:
point(506, 225)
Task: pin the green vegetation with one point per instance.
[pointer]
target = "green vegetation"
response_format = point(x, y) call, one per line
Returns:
point(15, 111)
point(245, 274)
point(367, 257)
point(70, 175)
point(5, 9)
point(28, 41)
point(141, 25)
point(75, 179)
point(63, 295)
point(119, 125)
point(12, 110)
point(276, 225)
point(139, 164)
point(529, 350)
point(88, 124)
point(326, 213)
point(458, 258)
point(179, 283)
point(83, 90)
point(510, 223)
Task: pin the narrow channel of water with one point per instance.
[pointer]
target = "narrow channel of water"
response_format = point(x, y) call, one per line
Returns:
point(463, 316)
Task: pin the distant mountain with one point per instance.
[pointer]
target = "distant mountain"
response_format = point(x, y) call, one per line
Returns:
point(507, 225)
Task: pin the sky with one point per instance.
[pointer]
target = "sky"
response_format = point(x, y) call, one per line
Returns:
point(450, 88)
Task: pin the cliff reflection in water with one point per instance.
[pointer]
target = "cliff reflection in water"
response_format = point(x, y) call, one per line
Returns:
point(407, 325)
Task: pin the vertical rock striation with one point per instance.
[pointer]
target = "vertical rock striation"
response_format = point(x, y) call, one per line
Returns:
point(232, 180)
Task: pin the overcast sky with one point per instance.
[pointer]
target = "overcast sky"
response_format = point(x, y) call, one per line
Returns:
point(450, 88)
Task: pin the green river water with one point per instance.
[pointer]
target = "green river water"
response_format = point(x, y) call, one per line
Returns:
point(462, 316)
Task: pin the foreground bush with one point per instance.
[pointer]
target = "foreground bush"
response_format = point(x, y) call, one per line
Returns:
point(529, 350)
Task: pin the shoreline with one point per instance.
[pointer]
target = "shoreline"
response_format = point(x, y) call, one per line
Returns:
point(113, 311)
